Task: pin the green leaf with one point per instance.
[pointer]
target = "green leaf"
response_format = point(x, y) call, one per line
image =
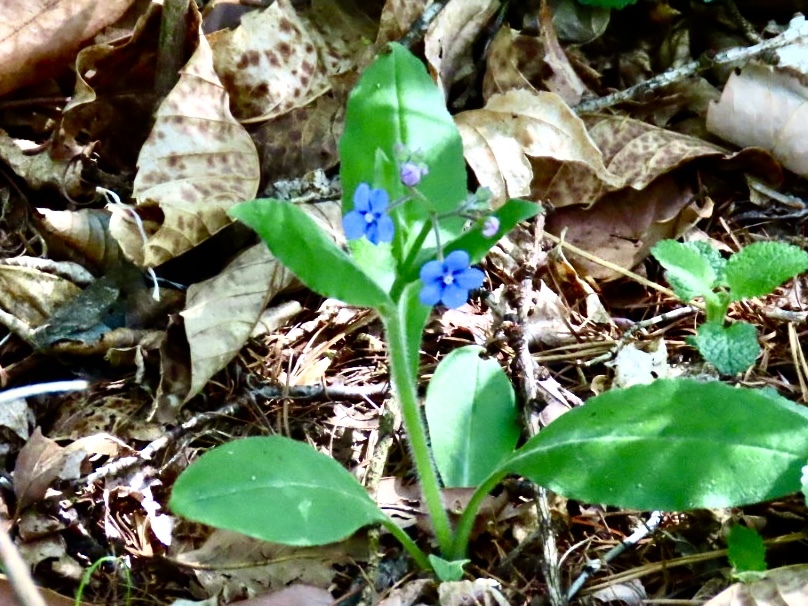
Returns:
point(447, 570)
point(745, 549)
point(618, 4)
point(274, 489)
point(302, 246)
point(731, 349)
point(759, 268)
point(690, 272)
point(474, 242)
point(471, 412)
point(673, 445)
point(395, 103)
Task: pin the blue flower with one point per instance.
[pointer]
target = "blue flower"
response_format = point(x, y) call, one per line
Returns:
point(449, 281)
point(369, 217)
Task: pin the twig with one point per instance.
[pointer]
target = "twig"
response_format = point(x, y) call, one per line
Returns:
point(17, 570)
point(594, 565)
point(797, 28)
point(39, 389)
point(418, 29)
point(171, 47)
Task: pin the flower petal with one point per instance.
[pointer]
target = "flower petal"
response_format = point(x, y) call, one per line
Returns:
point(430, 294)
point(379, 199)
point(454, 296)
point(385, 228)
point(431, 271)
point(354, 225)
point(457, 260)
point(470, 278)
point(361, 198)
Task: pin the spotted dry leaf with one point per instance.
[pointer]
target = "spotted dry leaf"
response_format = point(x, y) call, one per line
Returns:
point(521, 131)
point(196, 163)
point(81, 236)
point(397, 19)
point(448, 42)
point(278, 59)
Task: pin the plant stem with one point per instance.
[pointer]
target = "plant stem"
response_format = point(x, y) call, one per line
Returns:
point(404, 386)
point(419, 556)
point(464, 527)
point(404, 270)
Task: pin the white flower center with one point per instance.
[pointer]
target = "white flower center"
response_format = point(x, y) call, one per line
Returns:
point(448, 279)
point(369, 218)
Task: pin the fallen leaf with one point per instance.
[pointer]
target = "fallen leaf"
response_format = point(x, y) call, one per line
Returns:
point(37, 37)
point(81, 236)
point(786, 586)
point(196, 163)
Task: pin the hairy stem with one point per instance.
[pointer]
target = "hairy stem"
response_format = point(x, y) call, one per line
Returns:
point(404, 386)
point(464, 527)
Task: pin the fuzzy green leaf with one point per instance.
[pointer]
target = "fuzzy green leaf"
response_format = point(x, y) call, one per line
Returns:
point(759, 268)
point(731, 349)
point(690, 272)
point(672, 445)
point(274, 489)
point(302, 246)
point(745, 549)
point(471, 412)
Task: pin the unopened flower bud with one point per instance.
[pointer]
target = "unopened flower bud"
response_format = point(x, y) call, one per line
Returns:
point(490, 226)
point(412, 173)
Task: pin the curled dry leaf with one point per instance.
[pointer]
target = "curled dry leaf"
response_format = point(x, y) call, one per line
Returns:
point(448, 41)
point(196, 163)
point(768, 108)
point(81, 236)
point(397, 18)
point(38, 37)
point(515, 133)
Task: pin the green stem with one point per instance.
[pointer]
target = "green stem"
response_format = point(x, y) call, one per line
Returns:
point(404, 386)
point(419, 556)
point(404, 269)
point(466, 524)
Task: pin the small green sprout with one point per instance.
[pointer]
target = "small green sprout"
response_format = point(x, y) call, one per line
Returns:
point(696, 269)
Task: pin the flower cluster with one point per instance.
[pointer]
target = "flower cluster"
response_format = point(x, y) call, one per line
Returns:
point(450, 280)
point(369, 216)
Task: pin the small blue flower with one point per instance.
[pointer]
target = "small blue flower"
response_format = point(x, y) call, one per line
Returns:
point(369, 217)
point(412, 173)
point(449, 281)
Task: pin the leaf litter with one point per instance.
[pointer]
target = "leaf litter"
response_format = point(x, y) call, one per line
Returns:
point(266, 103)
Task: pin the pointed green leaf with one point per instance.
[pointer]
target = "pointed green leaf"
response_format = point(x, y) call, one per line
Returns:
point(447, 570)
point(690, 273)
point(673, 445)
point(302, 246)
point(731, 349)
point(745, 549)
point(471, 413)
point(395, 103)
point(274, 489)
point(414, 315)
point(759, 268)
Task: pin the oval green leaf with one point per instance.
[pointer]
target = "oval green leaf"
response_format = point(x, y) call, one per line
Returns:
point(274, 489)
point(759, 268)
point(731, 349)
point(302, 246)
point(673, 445)
point(471, 413)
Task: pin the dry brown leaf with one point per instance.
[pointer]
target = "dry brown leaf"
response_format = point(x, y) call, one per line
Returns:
point(448, 41)
point(279, 59)
point(397, 19)
point(786, 586)
point(81, 236)
point(196, 163)
point(8, 597)
point(295, 595)
point(221, 313)
point(768, 108)
point(232, 565)
point(37, 37)
point(39, 463)
point(500, 140)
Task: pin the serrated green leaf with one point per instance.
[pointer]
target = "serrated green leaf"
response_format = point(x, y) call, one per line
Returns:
point(759, 268)
point(745, 549)
point(731, 349)
point(274, 489)
point(471, 412)
point(673, 445)
point(302, 246)
point(689, 272)
point(713, 257)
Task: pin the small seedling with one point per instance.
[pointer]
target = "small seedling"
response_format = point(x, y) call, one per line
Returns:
point(696, 269)
point(414, 234)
